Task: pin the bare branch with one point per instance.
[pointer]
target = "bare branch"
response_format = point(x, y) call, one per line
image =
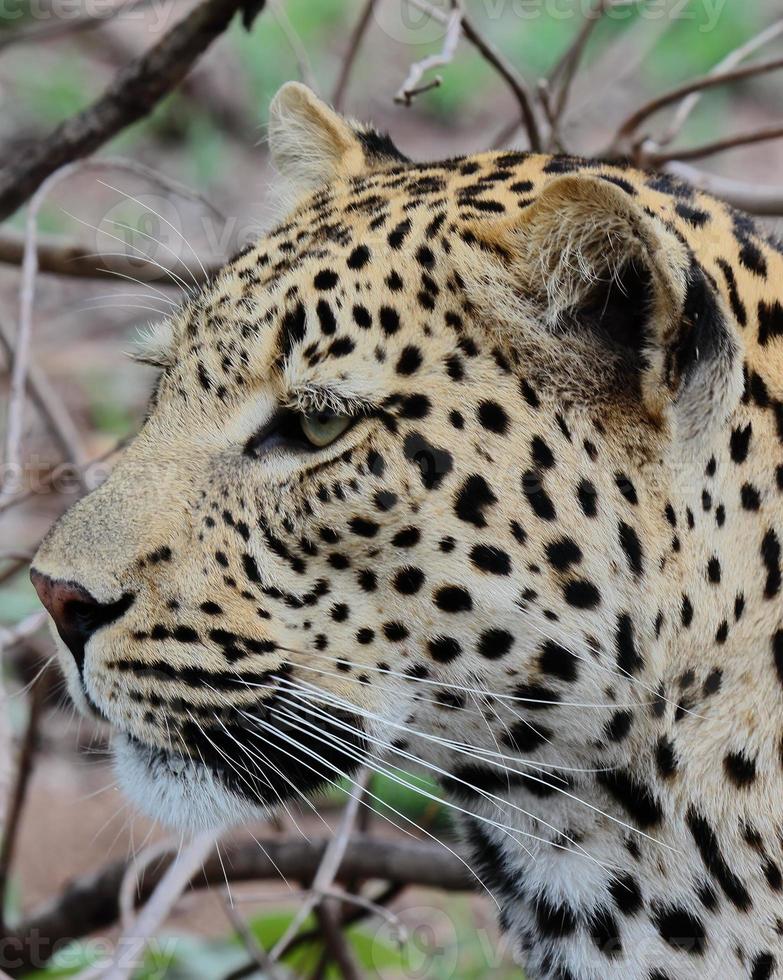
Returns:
point(709, 149)
point(16, 800)
point(503, 67)
point(176, 878)
point(52, 410)
point(735, 57)
point(354, 43)
point(90, 902)
point(412, 86)
point(566, 68)
point(65, 258)
point(134, 92)
point(327, 914)
point(58, 28)
point(629, 126)
point(257, 953)
point(756, 198)
point(330, 864)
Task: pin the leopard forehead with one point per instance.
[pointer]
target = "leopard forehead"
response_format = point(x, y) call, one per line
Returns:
point(551, 535)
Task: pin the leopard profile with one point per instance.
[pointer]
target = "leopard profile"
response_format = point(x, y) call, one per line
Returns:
point(479, 464)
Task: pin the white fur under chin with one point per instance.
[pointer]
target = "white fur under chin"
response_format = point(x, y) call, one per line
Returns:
point(179, 793)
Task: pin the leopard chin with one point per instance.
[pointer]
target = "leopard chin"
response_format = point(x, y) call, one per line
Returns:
point(181, 793)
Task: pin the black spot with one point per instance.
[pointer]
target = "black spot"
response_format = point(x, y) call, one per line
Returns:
point(709, 849)
point(292, 329)
point(409, 360)
point(495, 643)
point(605, 932)
point(632, 546)
point(713, 570)
point(635, 797)
point(763, 966)
point(529, 394)
point(407, 537)
point(538, 498)
point(770, 554)
point(740, 443)
point(472, 499)
point(444, 649)
point(361, 317)
point(618, 726)
point(325, 279)
point(409, 580)
point(740, 768)
point(390, 320)
point(626, 893)
point(326, 317)
point(490, 559)
point(626, 488)
point(359, 257)
point(770, 321)
point(453, 599)
point(681, 929)
point(582, 594)
point(588, 498)
point(686, 611)
point(629, 660)
point(665, 757)
point(395, 632)
point(433, 463)
point(563, 553)
point(750, 498)
point(553, 920)
point(541, 453)
point(492, 417)
point(362, 527)
point(558, 662)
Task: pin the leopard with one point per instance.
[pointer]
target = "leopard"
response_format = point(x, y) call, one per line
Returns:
point(473, 466)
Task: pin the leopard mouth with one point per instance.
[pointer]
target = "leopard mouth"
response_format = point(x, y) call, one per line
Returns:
point(238, 770)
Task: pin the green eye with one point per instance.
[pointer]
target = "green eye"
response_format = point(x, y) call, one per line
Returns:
point(322, 428)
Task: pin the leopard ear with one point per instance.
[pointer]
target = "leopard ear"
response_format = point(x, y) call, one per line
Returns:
point(586, 260)
point(311, 144)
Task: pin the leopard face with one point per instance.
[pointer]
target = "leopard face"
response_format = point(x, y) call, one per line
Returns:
point(438, 472)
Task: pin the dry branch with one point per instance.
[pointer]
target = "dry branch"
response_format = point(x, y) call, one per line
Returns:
point(90, 903)
point(354, 43)
point(131, 96)
point(763, 135)
point(631, 124)
point(66, 258)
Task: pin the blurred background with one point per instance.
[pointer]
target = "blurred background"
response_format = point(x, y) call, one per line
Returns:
point(56, 56)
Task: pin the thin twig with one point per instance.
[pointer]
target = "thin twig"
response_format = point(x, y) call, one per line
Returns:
point(327, 914)
point(507, 72)
point(763, 135)
point(329, 866)
point(629, 125)
point(412, 86)
point(16, 800)
point(23, 338)
point(89, 903)
point(65, 258)
point(566, 68)
point(758, 199)
point(134, 92)
point(349, 59)
point(735, 57)
point(256, 951)
point(53, 411)
point(58, 28)
point(132, 943)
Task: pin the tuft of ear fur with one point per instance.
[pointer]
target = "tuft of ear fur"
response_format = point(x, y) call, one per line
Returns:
point(586, 260)
point(311, 144)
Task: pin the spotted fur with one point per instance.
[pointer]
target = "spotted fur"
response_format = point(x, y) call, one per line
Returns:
point(545, 560)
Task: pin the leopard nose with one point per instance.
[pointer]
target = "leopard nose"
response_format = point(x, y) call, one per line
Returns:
point(76, 614)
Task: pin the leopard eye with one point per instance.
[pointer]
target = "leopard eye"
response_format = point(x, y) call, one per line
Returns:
point(322, 428)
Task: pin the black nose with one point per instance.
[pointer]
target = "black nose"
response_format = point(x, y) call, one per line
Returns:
point(76, 614)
